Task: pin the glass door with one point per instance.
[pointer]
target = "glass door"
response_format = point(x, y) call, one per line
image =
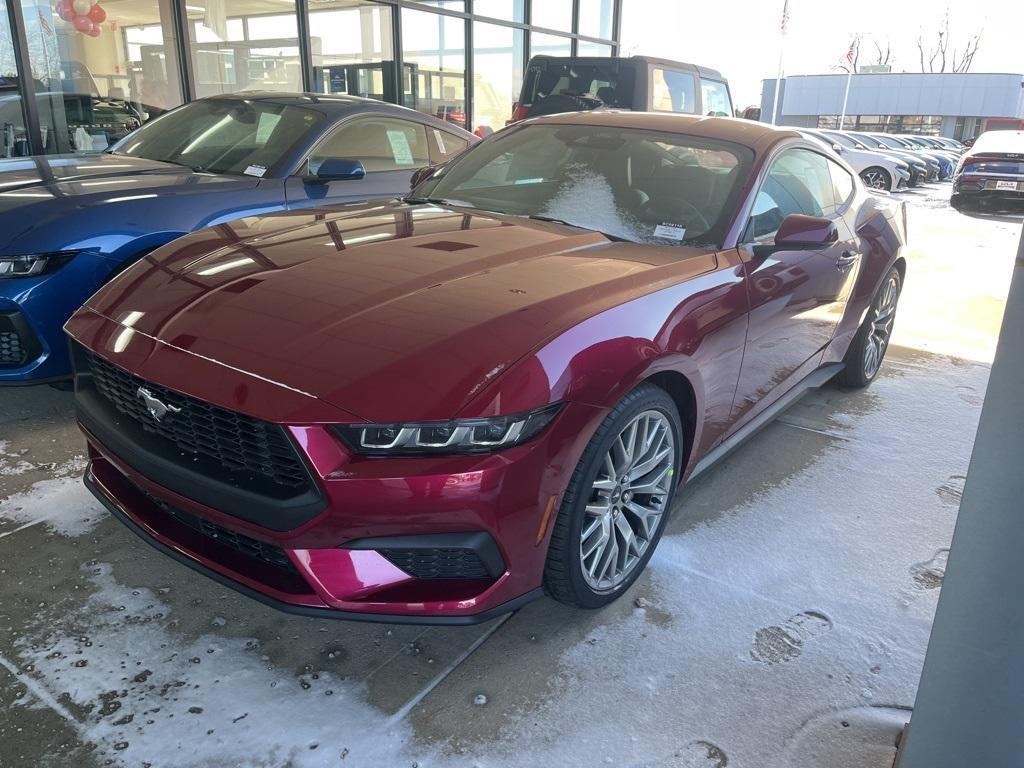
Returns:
point(13, 137)
point(101, 68)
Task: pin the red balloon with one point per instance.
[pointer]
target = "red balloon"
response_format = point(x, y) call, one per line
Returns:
point(83, 23)
point(68, 6)
point(94, 31)
point(66, 14)
point(97, 14)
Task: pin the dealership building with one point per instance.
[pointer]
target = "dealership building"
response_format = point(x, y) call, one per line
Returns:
point(958, 105)
point(60, 60)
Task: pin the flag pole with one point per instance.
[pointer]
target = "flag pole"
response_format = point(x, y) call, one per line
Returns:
point(782, 49)
point(846, 96)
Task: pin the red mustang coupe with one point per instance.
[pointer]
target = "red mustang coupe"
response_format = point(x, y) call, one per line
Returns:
point(435, 409)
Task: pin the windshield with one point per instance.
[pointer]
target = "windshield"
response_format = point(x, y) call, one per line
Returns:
point(636, 185)
point(223, 136)
point(887, 141)
point(868, 141)
point(842, 139)
point(610, 82)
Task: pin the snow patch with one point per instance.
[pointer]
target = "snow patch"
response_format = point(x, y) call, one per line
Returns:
point(62, 502)
point(150, 699)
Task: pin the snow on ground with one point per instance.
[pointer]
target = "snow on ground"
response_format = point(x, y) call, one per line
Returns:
point(212, 702)
point(817, 593)
point(815, 596)
point(62, 501)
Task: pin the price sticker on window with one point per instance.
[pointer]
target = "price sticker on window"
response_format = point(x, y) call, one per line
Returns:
point(400, 148)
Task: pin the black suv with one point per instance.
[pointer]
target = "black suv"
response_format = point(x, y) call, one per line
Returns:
point(556, 84)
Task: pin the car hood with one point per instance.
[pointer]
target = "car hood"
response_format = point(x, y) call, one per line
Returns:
point(46, 202)
point(66, 172)
point(389, 311)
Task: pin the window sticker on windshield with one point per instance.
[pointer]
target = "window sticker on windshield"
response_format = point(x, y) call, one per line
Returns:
point(670, 232)
point(268, 122)
point(255, 170)
point(440, 141)
point(400, 148)
point(528, 181)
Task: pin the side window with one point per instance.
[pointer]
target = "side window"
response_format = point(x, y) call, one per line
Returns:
point(379, 143)
point(448, 144)
point(842, 183)
point(798, 182)
point(715, 98)
point(672, 91)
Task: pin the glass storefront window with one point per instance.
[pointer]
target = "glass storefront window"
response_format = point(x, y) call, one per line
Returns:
point(509, 10)
point(552, 14)
point(596, 18)
point(352, 49)
point(244, 45)
point(13, 140)
point(587, 48)
point(549, 45)
point(101, 69)
point(497, 75)
point(434, 80)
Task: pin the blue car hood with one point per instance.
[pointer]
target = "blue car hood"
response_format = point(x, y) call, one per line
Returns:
point(39, 194)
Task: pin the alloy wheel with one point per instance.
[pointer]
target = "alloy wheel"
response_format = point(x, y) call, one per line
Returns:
point(880, 329)
point(627, 500)
point(875, 178)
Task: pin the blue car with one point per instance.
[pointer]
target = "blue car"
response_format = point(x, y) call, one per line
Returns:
point(68, 223)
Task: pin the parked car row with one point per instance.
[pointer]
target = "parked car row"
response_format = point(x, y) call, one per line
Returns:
point(435, 408)
point(889, 162)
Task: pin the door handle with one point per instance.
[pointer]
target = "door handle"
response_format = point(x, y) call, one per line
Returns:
point(847, 260)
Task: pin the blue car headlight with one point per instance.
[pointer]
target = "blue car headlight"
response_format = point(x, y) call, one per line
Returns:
point(34, 264)
point(461, 436)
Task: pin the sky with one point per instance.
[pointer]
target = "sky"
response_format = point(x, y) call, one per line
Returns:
point(741, 37)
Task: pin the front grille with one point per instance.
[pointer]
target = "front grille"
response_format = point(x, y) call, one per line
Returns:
point(239, 444)
point(258, 550)
point(12, 351)
point(440, 563)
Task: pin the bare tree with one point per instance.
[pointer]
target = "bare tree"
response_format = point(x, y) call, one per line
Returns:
point(937, 56)
point(883, 57)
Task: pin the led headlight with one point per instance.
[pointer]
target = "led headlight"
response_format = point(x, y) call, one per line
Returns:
point(34, 264)
point(446, 437)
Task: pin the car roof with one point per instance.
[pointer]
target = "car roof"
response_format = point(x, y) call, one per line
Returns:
point(1000, 141)
point(334, 105)
point(646, 60)
point(748, 133)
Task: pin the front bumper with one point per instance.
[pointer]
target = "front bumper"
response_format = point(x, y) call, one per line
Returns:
point(38, 307)
point(450, 540)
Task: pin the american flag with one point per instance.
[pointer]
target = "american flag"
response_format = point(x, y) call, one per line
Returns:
point(852, 52)
point(785, 16)
point(45, 24)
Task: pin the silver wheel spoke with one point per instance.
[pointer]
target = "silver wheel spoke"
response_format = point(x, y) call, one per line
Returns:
point(627, 500)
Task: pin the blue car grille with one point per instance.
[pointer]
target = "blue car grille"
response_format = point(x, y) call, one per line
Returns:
point(239, 444)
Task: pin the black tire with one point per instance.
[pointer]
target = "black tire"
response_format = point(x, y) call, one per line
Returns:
point(563, 571)
point(876, 177)
point(857, 371)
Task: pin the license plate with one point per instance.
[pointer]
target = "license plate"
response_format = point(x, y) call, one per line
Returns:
point(1009, 186)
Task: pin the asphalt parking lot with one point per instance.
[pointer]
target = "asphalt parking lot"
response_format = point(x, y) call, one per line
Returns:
point(783, 620)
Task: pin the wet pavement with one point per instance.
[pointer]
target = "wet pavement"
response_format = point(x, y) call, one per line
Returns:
point(783, 620)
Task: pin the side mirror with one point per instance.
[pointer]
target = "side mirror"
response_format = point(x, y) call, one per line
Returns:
point(422, 174)
point(799, 231)
point(335, 169)
point(837, 148)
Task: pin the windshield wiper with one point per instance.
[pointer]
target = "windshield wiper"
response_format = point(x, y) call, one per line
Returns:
point(552, 220)
point(437, 201)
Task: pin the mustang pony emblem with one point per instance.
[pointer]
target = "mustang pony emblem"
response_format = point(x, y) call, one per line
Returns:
point(156, 408)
